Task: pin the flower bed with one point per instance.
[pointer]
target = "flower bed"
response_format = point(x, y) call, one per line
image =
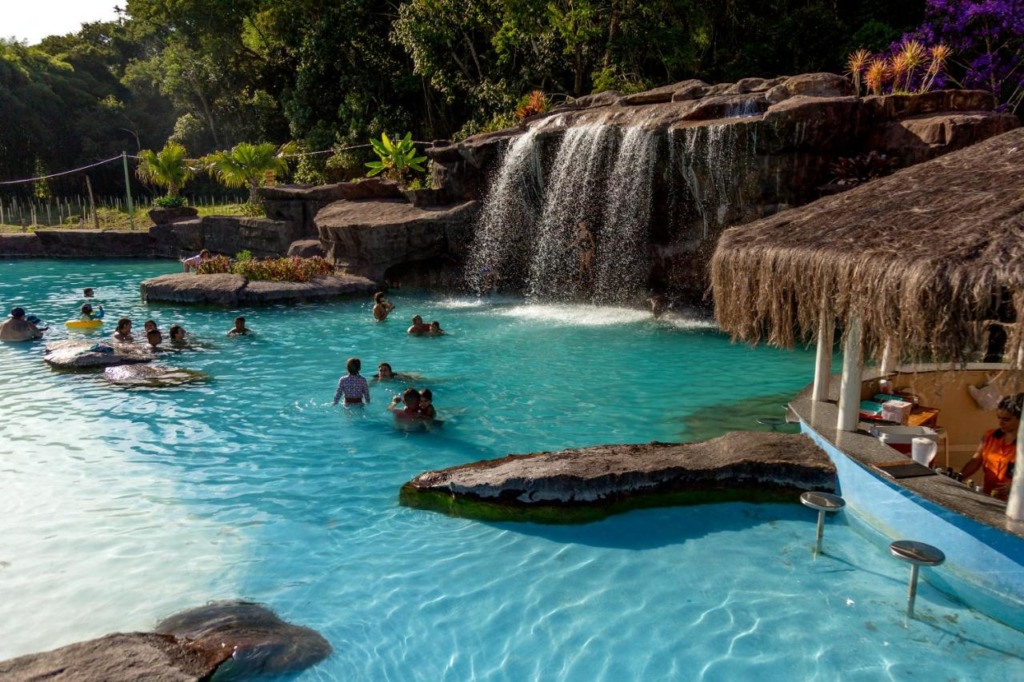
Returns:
point(290, 269)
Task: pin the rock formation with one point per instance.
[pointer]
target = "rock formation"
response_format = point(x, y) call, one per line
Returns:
point(587, 484)
point(237, 640)
point(78, 354)
point(236, 290)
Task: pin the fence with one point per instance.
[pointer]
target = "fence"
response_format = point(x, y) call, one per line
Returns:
point(74, 211)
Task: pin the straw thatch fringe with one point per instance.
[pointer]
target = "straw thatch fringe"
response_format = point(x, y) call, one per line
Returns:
point(922, 257)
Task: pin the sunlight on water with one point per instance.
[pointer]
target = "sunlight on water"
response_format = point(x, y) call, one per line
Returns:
point(120, 506)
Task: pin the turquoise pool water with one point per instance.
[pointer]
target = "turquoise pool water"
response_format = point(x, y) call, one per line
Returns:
point(119, 507)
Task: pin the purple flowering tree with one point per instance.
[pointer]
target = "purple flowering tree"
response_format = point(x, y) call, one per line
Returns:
point(987, 37)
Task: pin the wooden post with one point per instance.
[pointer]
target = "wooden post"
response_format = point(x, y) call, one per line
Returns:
point(823, 356)
point(849, 389)
point(1015, 501)
point(92, 204)
point(128, 191)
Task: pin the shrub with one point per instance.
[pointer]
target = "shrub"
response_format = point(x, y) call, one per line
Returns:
point(531, 105)
point(289, 269)
point(169, 202)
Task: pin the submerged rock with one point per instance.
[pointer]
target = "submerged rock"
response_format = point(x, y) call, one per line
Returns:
point(75, 354)
point(152, 376)
point(235, 638)
point(251, 635)
point(572, 486)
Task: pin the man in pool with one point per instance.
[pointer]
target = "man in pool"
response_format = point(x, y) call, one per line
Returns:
point(17, 328)
point(239, 329)
point(418, 326)
point(381, 307)
point(410, 414)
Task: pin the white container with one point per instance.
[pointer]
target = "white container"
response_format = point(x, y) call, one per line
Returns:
point(922, 450)
point(897, 411)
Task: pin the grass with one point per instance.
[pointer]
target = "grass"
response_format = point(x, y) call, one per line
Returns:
point(113, 219)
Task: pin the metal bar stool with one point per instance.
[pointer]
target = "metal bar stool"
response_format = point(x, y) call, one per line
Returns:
point(823, 502)
point(916, 554)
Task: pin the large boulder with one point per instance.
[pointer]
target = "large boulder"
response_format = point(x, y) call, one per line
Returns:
point(369, 237)
point(152, 376)
point(590, 483)
point(235, 640)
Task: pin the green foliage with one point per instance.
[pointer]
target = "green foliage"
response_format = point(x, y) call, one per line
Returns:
point(176, 201)
point(397, 158)
point(290, 269)
point(248, 165)
point(170, 168)
point(243, 256)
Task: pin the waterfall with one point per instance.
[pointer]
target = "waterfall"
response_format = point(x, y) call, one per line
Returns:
point(575, 223)
point(502, 245)
point(574, 206)
point(623, 261)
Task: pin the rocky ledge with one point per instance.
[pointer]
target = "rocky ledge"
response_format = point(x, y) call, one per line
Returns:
point(577, 486)
point(78, 354)
point(236, 290)
point(235, 639)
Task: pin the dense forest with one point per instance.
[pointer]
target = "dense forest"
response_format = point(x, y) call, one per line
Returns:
point(332, 73)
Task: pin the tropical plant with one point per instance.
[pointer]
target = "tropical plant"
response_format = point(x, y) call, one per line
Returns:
point(170, 168)
point(249, 165)
point(910, 68)
point(857, 63)
point(288, 269)
point(531, 105)
point(169, 202)
point(397, 158)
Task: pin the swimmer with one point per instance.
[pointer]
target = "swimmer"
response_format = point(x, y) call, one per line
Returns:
point(124, 331)
point(18, 327)
point(177, 334)
point(435, 329)
point(353, 386)
point(381, 307)
point(87, 293)
point(154, 337)
point(411, 411)
point(88, 314)
point(149, 325)
point(385, 373)
point(418, 327)
point(239, 329)
point(426, 408)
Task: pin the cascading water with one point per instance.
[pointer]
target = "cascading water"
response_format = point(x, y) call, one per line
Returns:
point(502, 245)
point(623, 261)
point(573, 207)
point(582, 231)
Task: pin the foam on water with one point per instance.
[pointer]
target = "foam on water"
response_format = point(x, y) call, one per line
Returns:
point(118, 508)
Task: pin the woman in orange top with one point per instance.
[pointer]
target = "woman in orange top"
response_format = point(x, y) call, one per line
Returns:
point(998, 449)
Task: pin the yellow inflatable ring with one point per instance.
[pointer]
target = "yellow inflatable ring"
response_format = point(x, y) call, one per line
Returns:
point(83, 324)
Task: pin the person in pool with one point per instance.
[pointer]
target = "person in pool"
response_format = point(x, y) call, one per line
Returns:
point(154, 338)
point(418, 327)
point(381, 307)
point(385, 373)
point(123, 333)
point(353, 386)
point(426, 407)
point(435, 329)
point(18, 328)
point(177, 334)
point(149, 325)
point(88, 314)
point(239, 329)
point(195, 261)
point(410, 414)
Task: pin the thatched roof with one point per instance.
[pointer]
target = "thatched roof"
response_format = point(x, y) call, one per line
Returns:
point(922, 257)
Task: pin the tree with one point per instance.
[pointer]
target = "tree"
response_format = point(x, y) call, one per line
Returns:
point(248, 165)
point(167, 168)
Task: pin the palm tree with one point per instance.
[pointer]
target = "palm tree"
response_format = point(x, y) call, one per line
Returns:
point(167, 168)
point(248, 165)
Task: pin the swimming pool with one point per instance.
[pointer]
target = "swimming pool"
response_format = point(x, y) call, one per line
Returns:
point(120, 507)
